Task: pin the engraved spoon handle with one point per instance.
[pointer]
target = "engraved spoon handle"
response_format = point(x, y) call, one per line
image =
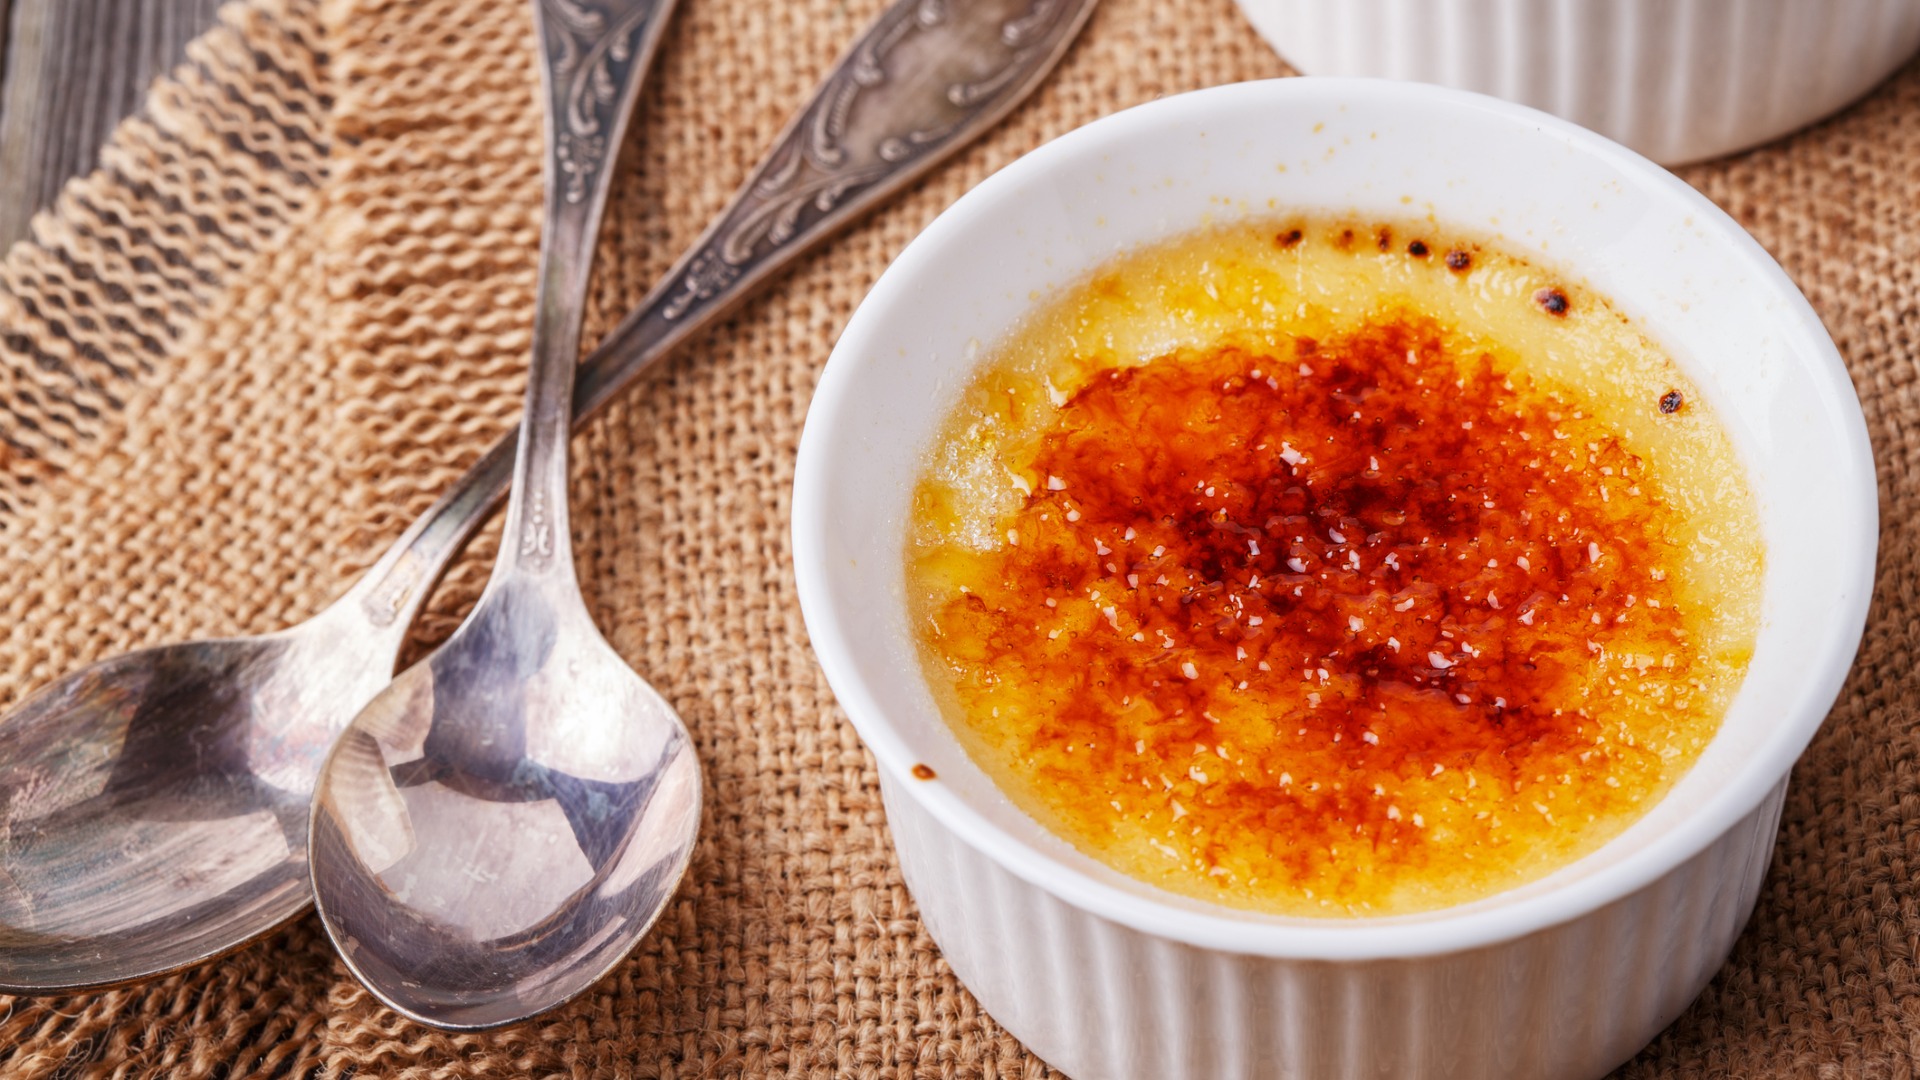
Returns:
point(924, 80)
point(593, 55)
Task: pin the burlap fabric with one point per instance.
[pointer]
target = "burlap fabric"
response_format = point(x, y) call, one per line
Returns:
point(296, 300)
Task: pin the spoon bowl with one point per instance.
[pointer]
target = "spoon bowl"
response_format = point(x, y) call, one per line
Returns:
point(525, 727)
point(157, 802)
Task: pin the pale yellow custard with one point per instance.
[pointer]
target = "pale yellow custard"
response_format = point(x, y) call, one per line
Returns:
point(1326, 568)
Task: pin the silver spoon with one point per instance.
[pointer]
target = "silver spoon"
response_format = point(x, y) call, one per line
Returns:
point(154, 806)
point(504, 821)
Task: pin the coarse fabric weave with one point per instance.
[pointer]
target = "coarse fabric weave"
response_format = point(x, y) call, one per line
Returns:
point(296, 301)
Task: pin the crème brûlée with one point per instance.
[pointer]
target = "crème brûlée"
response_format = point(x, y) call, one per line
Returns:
point(1332, 568)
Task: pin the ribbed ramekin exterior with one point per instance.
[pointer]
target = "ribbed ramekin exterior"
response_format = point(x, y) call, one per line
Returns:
point(1103, 1001)
point(1677, 80)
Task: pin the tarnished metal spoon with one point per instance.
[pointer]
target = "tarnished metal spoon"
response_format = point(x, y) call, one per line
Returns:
point(504, 821)
point(154, 806)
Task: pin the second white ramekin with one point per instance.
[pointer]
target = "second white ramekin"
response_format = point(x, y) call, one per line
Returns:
point(1677, 80)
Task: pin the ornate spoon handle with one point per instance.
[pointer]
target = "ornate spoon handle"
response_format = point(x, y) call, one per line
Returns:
point(926, 79)
point(593, 54)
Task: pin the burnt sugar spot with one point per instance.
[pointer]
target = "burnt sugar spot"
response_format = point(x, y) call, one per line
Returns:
point(1552, 301)
point(1288, 238)
point(1671, 401)
point(1459, 259)
point(923, 772)
point(1417, 249)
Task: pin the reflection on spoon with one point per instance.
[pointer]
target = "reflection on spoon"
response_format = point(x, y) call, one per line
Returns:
point(501, 825)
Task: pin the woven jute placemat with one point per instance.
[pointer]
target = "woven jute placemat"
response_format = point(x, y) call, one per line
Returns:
point(296, 300)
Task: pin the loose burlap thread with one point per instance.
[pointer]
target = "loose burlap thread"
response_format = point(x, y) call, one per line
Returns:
point(296, 300)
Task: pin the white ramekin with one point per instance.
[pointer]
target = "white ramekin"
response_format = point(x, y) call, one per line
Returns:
point(1563, 978)
point(1677, 80)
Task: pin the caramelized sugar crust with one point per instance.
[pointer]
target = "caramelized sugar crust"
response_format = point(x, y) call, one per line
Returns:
point(1360, 624)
